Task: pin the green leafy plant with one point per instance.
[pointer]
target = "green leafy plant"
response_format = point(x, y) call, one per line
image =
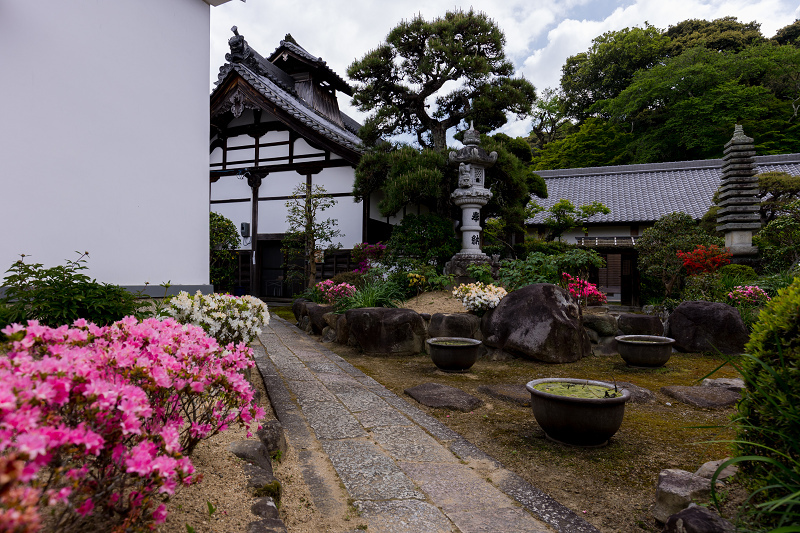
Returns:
point(62, 294)
point(768, 440)
point(564, 216)
point(223, 240)
point(211, 508)
point(374, 293)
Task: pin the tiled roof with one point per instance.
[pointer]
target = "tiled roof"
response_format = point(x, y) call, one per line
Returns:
point(302, 52)
point(645, 193)
point(295, 106)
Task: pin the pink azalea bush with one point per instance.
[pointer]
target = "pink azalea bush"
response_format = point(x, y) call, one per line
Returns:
point(366, 254)
point(331, 293)
point(584, 291)
point(98, 422)
point(748, 295)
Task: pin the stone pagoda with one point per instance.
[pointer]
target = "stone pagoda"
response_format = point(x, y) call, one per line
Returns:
point(738, 217)
point(470, 196)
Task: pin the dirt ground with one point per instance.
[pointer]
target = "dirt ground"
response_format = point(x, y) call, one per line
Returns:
point(612, 487)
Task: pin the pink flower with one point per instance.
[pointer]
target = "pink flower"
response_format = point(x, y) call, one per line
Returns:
point(86, 507)
point(160, 514)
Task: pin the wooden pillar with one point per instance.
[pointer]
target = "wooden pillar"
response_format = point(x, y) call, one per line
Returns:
point(254, 181)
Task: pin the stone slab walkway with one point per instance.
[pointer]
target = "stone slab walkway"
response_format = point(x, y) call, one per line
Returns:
point(401, 468)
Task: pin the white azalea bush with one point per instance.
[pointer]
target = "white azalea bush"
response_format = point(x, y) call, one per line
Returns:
point(479, 297)
point(229, 319)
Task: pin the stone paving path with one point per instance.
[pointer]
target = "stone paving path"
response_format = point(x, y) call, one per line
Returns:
point(401, 468)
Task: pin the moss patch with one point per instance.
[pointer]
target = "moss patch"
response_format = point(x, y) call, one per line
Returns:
point(284, 312)
point(272, 489)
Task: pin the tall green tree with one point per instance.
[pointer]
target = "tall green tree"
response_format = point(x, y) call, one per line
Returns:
point(598, 142)
point(724, 34)
point(607, 68)
point(223, 240)
point(564, 216)
point(429, 76)
point(549, 122)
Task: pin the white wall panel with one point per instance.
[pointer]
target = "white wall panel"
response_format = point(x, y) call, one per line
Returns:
point(336, 180)
point(301, 147)
point(348, 219)
point(280, 184)
point(272, 217)
point(104, 143)
point(230, 187)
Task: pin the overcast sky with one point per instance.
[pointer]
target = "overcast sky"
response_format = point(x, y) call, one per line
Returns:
point(540, 34)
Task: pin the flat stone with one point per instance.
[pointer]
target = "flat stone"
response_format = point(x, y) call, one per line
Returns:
point(383, 416)
point(252, 451)
point(410, 443)
point(708, 469)
point(638, 394)
point(267, 525)
point(273, 437)
point(732, 384)
point(604, 324)
point(330, 420)
point(403, 516)
point(468, 500)
point(443, 397)
point(310, 391)
point(705, 397)
point(265, 508)
point(509, 392)
point(360, 400)
point(367, 473)
point(256, 476)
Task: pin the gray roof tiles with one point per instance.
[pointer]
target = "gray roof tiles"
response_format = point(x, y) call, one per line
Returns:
point(645, 193)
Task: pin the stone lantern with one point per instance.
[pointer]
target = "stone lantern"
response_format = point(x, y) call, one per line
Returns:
point(470, 196)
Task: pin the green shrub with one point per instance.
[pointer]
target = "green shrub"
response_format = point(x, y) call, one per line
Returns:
point(62, 294)
point(223, 239)
point(769, 419)
point(743, 273)
point(533, 245)
point(541, 268)
point(706, 286)
point(422, 240)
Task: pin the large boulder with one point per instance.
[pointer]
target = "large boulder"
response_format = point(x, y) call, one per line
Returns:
point(382, 331)
point(697, 519)
point(633, 324)
point(541, 322)
point(316, 314)
point(299, 308)
point(707, 326)
point(455, 325)
point(603, 323)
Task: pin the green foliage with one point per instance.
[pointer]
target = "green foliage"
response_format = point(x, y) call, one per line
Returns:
point(777, 190)
point(743, 274)
point(518, 146)
point(398, 80)
point(725, 34)
point(789, 34)
point(376, 292)
point(596, 143)
point(779, 240)
point(769, 420)
point(308, 234)
point(62, 294)
point(422, 240)
point(549, 122)
point(481, 272)
point(540, 268)
point(607, 68)
point(535, 244)
point(564, 216)
point(659, 245)
point(223, 238)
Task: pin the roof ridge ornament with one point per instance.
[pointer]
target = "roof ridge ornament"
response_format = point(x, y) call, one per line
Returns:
point(240, 50)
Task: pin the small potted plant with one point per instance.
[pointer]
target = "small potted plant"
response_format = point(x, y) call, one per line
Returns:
point(454, 354)
point(579, 412)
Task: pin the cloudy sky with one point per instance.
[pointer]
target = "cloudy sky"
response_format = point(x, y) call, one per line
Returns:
point(540, 34)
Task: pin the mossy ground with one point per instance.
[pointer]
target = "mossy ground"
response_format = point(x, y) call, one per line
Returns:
point(613, 487)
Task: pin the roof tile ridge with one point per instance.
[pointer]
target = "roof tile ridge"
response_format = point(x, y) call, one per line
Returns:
point(291, 108)
point(630, 169)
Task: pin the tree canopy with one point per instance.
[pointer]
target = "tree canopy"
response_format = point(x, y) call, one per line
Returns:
point(676, 94)
point(429, 76)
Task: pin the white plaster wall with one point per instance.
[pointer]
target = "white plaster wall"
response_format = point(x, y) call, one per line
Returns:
point(336, 179)
point(104, 136)
point(229, 188)
point(280, 184)
point(348, 216)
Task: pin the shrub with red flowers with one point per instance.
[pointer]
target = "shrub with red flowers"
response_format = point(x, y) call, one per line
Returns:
point(331, 292)
point(365, 254)
point(584, 291)
point(98, 422)
point(704, 259)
